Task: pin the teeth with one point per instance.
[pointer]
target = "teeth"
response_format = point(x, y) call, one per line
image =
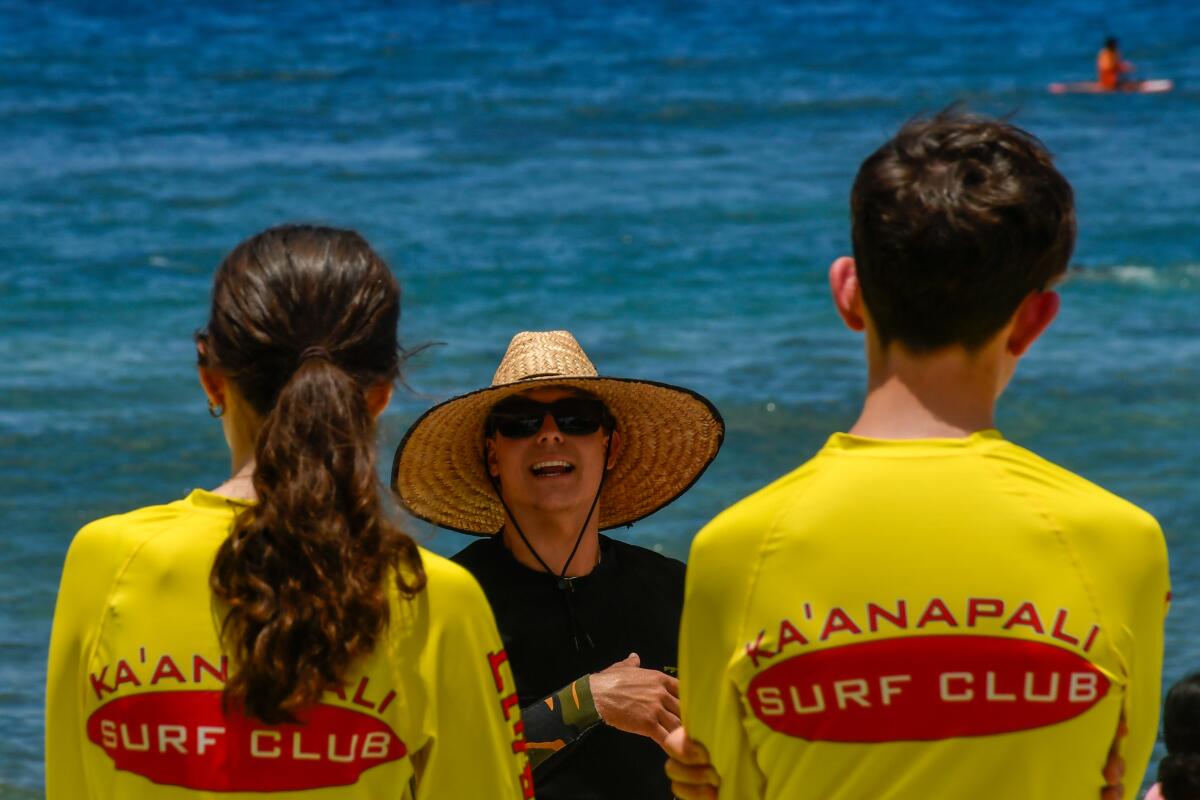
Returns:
point(552, 468)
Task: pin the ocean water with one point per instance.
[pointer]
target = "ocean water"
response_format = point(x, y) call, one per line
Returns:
point(668, 180)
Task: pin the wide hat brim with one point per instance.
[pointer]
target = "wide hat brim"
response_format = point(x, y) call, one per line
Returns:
point(669, 436)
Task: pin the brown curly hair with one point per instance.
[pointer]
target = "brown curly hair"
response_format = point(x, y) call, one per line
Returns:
point(303, 323)
point(956, 220)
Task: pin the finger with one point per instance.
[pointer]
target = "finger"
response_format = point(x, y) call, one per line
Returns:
point(696, 753)
point(668, 720)
point(671, 704)
point(1114, 766)
point(659, 733)
point(1114, 770)
point(684, 749)
point(685, 773)
point(676, 745)
point(684, 791)
point(1116, 792)
point(672, 684)
point(630, 660)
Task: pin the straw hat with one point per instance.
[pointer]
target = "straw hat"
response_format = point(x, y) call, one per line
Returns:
point(669, 436)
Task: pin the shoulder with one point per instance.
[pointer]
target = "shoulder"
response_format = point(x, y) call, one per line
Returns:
point(744, 524)
point(478, 555)
point(1067, 495)
point(449, 584)
point(456, 612)
point(141, 545)
point(643, 557)
point(645, 565)
point(726, 551)
point(116, 532)
point(1113, 537)
point(489, 562)
point(113, 539)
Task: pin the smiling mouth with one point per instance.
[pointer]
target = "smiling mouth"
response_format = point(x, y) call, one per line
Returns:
point(552, 469)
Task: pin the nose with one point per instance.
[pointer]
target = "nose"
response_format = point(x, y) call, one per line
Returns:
point(549, 431)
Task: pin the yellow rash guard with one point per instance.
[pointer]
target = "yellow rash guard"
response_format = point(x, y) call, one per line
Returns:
point(133, 696)
point(904, 620)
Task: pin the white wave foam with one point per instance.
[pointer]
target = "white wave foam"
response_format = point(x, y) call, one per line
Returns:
point(1141, 275)
point(1137, 275)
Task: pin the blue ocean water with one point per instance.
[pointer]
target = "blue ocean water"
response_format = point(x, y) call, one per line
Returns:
point(669, 180)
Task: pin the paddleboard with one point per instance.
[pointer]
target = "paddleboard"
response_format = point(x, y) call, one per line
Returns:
point(1131, 87)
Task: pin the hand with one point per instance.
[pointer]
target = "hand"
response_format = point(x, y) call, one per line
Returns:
point(689, 768)
point(1114, 768)
point(636, 700)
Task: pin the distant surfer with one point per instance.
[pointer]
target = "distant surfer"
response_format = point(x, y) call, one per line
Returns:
point(1112, 76)
point(1110, 67)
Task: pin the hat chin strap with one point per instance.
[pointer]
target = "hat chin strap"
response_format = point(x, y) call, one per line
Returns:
point(565, 584)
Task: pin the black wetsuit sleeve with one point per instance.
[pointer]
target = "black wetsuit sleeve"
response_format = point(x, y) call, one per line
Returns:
point(557, 720)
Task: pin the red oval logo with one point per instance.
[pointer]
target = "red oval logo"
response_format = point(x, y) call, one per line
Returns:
point(185, 739)
point(923, 688)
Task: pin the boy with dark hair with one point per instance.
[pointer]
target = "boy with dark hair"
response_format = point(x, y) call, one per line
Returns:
point(924, 609)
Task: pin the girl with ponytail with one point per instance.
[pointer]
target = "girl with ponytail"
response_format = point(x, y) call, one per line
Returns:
point(280, 633)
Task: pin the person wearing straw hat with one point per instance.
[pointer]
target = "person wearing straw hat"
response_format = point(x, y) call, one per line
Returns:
point(538, 463)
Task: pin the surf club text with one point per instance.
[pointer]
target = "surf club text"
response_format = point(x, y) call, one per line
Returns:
point(934, 616)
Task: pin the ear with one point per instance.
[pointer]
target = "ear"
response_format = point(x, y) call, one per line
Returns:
point(847, 294)
point(378, 397)
point(1033, 316)
point(614, 449)
point(214, 384)
point(489, 455)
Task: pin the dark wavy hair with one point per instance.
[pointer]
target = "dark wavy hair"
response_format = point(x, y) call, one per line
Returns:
point(954, 222)
point(303, 323)
point(1179, 771)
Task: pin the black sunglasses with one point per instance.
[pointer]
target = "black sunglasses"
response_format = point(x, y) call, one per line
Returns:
point(519, 417)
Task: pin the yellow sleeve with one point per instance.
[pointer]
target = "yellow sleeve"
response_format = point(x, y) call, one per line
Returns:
point(717, 589)
point(82, 594)
point(1150, 583)
point(478, 748)
point(1126, 558)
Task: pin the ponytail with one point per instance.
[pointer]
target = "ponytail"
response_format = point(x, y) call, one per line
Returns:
point(304, 572)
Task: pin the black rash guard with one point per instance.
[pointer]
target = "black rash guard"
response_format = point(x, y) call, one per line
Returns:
point(630, 603)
